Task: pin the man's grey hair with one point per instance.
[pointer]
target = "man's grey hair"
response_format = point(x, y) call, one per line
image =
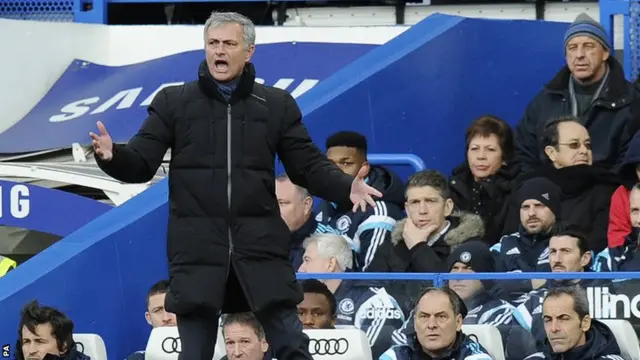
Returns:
point(304, 193)
point(222, 18)
point(579, 296)
point(332, 246)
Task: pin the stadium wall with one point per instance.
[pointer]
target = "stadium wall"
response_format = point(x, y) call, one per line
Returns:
point(40, 52)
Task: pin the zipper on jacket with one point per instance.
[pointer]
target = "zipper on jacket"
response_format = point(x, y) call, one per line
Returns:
point(229, 179)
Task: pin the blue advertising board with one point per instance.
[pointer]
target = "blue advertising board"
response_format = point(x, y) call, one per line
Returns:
point(46, 210)
point(118, 96)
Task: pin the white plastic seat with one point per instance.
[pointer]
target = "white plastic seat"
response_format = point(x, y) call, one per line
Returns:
point(91, 345)
point(339, 344)
point(164, 344)
point(489, 337)
point(625, 336)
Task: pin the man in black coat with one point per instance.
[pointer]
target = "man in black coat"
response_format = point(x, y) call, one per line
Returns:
point(592, 88)
point(227, 245)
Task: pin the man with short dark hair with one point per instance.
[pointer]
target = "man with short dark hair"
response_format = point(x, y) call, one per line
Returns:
point(423, 241)
point(438, 331)
point(156, 315)
point(568, 252)
point(45, 333)
point(318, 309)
point(592, 88)
point(244, 338)
point(571, 334)
point(369, 231)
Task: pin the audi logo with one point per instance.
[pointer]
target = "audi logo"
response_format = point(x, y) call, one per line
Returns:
point(328, 346)
point(171, 345)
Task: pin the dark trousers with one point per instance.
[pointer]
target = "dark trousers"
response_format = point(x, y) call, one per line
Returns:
point(282, 327)
point(199, 331)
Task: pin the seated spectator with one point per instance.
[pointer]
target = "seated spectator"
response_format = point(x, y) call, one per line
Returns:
point(156, 315)
point(629, 174)
point(485, 305)
point(586, 189)
point(423, 241)
point(571, 334)
point(318, 309)
point(624, 257)
point(568, 252)
point(527, 250)
point(369, 231)
point(438, 331)
point(363, 304)
point(592, 88)
point(244, 338)
point(483, 182)
point(296, 208)
point(481, 297)
point(45, 333)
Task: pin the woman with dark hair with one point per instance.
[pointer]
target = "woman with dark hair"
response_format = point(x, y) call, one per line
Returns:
point(483, 182)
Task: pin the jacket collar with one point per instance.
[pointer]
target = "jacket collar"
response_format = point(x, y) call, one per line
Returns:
point(452, 352)
point(208, 85)
point(614, 90)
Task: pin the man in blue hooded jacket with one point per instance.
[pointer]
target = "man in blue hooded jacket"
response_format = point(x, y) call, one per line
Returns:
point(568, 252)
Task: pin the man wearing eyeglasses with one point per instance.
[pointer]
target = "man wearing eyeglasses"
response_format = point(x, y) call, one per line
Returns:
point(586, 188)
point(592, 88)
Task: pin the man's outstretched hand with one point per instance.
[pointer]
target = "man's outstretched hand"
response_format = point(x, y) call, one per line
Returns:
point(361, 193)
point(103, 145)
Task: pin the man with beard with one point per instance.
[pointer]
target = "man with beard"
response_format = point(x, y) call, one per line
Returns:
point(568, 252)
point(527, 250)
point(571, 334)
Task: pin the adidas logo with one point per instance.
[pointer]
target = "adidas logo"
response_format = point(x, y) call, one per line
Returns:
point(514, 251)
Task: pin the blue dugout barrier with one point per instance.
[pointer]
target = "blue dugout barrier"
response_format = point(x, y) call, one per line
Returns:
point(629, 10)
point(439, 279)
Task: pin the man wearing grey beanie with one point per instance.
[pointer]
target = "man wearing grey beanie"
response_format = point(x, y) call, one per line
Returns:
point(591, 87)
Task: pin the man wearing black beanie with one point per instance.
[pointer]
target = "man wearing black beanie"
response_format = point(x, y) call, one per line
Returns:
point(527, 249)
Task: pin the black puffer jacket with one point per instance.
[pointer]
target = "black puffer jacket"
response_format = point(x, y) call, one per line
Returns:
point(612, 120)
point(486, 198)
point(223, 212)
